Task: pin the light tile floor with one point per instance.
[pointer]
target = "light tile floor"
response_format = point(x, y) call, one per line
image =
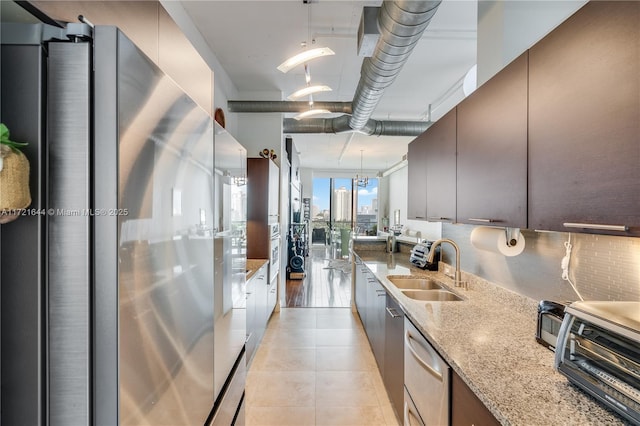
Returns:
point(315, 367)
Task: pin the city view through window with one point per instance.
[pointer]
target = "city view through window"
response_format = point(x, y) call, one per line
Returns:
point(335, 207)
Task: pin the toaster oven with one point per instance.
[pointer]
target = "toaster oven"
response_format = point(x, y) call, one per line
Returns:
point(550, 316)
point(598, 350)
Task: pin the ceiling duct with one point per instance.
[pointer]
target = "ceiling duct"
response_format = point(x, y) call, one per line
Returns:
point(341, 125)
point(401, 24)
point(286, 106)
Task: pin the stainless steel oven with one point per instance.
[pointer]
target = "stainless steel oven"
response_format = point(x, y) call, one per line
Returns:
point(274, 250)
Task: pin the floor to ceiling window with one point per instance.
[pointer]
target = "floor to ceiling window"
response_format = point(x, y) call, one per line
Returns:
point(340, 203)
point(340, 208)
point(366, 222)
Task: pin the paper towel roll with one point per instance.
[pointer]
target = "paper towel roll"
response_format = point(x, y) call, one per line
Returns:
point(495, 240)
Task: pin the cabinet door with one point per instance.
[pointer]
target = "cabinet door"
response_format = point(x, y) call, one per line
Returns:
point(584, 122)
point(272, 298)
point(375, 326)
point(251, 342)
point(258, 197)
point(417, 179)
point(440, 165)
point(361, 291)
point(274, 189)
point(466, 408)
point(492, 150)
point(394, 355)
point(260, 286)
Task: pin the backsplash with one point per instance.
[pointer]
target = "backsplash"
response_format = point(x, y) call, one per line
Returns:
point(602, 267)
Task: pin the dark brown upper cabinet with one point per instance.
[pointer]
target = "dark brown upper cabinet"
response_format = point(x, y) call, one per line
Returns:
point(492, 150)
point(440, 165)
point(417, 179)
point(584, 123)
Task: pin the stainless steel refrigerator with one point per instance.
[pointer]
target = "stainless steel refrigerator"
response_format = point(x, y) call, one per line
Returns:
point(123, 283)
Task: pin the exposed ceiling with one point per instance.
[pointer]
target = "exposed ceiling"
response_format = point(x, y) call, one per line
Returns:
point(251, 38)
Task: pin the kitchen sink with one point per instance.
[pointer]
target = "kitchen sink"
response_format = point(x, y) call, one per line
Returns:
point(405, 283)
point(432, 295)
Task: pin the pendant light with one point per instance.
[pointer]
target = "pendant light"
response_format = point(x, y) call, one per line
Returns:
point(362, 181)
point(303, 58)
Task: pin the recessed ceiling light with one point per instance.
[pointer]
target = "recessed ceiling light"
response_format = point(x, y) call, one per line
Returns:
point(308, 91)
point(311, 112)
point(303, 57)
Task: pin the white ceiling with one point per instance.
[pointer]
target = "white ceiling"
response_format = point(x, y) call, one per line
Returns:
point(251, 38)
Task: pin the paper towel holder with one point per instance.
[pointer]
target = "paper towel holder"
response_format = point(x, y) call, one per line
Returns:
point(513, 234)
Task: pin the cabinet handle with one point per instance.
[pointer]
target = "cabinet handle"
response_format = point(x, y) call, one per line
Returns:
point(439, 218)
point(474, 219)
point(393, 313)
point(381, 292)
point(407, 417)
point(600, 227)
point(407, 341)
point(419, 217)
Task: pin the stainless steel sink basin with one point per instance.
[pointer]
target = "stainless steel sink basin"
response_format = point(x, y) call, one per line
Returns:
point(405, 283)
point(432, 295)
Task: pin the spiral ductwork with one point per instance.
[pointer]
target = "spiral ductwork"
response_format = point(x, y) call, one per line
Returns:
point(401, 25)
point(286, 106)
point(341, 125)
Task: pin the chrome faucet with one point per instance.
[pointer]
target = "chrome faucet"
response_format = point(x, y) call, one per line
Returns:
point(432, 254)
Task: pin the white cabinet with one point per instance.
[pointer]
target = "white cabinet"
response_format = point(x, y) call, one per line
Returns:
point(274, 191)
point(272, 298)
point(257, 316)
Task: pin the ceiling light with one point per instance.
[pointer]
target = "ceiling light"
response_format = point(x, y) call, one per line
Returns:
point(303, 57)
point(308, 90)
point(311, 112)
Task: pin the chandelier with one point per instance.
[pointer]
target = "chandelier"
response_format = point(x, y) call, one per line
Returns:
point(361, 180)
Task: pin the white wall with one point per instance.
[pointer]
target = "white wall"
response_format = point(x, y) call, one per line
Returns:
point(223, 89)
point(508, 28)
point(398, 197)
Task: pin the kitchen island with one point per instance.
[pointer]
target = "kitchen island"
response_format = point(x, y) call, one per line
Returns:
point(488, 339)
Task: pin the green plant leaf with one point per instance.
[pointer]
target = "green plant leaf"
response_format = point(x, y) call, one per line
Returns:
point(4, 132)
point(4, 138)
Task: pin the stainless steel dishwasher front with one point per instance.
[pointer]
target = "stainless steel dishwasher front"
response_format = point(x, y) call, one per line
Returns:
point(426, 377)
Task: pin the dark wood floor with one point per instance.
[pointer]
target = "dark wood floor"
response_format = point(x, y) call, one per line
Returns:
point(327, 283)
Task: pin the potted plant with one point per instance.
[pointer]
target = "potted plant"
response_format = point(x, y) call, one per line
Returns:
point(14, 177)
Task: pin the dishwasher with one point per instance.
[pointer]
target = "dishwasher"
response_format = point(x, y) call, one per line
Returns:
point(426, 381)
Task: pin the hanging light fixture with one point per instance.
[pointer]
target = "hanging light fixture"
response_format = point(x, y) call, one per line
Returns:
point(361, 180)
point(311, 112)
point(306, 91)
point(304, 57)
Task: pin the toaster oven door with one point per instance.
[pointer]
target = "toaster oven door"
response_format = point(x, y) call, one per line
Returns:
point(602, 363)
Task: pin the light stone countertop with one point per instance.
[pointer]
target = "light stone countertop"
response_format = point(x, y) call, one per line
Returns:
point(253, 265)
point(489, 341)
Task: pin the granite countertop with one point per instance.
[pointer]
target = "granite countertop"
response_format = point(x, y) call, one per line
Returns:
point(489, 341)
point(253, 265)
